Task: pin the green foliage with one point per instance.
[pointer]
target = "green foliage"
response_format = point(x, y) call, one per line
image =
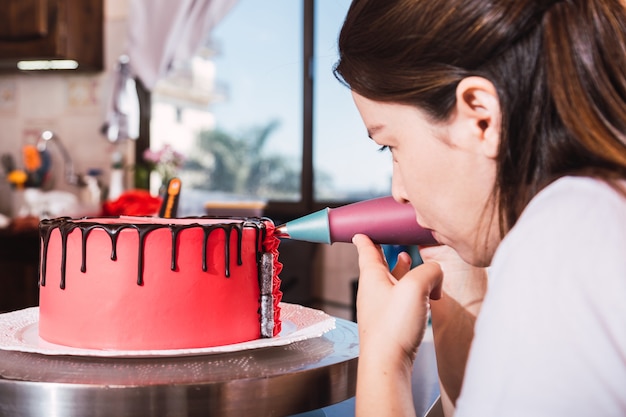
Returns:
point(221, 161)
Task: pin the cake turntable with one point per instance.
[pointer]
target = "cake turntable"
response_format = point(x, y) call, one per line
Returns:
point(279, 380)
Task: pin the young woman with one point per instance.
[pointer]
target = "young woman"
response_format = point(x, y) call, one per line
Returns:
point(506, 122)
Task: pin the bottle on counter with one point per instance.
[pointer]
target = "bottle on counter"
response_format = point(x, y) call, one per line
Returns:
point(116, 180)
point(92, 192)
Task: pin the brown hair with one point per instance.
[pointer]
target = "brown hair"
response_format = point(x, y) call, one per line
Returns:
point(558, 67)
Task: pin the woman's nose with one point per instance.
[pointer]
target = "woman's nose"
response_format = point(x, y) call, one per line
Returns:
point(397, 188)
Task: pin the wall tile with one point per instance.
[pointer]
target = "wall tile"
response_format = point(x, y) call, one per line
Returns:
point(73, 106)
point(8, 96)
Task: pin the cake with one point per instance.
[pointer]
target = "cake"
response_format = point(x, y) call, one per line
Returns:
point(145, 283)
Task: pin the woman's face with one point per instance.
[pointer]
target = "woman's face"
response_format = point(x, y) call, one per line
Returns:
point(442, 171)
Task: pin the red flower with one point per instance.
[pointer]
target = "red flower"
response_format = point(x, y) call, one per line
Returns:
point(133, 203)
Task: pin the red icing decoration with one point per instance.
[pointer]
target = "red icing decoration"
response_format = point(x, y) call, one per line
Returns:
point(271, 245)
point(132, 203)
point(136, 301)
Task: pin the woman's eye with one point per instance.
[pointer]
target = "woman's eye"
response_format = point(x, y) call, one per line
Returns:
point(383, 148)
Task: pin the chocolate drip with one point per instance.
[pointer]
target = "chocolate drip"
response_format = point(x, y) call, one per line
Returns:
point(114, 235)
point(175, 232)
point(45, 233)
point(142, 244)
point(228, 229)
point(64, 257)
point(66, 225)
point(83, 261)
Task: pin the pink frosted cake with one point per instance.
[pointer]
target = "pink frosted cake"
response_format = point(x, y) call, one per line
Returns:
point(144, 283)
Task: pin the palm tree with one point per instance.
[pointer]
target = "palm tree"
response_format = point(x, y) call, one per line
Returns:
point(223, 162)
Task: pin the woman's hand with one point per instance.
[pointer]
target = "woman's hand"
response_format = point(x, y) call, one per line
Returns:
point(393, 305)
point(464, 282)
point(392, 311)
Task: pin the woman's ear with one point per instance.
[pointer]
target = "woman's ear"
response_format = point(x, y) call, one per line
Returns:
point(478, 105)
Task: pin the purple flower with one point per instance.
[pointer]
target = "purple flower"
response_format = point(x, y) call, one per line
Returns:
point(165, 161)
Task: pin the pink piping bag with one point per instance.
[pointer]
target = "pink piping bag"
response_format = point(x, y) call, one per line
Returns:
point(383, 219)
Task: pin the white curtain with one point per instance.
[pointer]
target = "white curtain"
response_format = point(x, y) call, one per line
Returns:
point(161, 33)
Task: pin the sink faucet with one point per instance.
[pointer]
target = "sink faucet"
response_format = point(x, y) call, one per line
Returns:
point(70, 175)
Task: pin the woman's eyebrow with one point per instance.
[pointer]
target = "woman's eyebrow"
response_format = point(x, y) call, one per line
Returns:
point(372, 130)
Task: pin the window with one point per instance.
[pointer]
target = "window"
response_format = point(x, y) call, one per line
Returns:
point(255, 120)
point(346, 163)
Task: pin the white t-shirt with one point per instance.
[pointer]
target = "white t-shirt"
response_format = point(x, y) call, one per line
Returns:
point(551, 336)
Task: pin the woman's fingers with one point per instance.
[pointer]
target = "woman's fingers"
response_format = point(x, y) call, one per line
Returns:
point(372, 260)
point(403, 265)
point(371, 256)
point(432, 275)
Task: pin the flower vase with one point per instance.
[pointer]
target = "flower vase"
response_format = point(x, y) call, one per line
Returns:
point(156, 184)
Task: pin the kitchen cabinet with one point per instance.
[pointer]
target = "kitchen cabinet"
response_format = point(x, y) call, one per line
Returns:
point(51, 30)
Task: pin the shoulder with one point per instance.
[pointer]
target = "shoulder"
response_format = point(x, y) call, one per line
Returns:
point(572, 211)
point(574, 226)
point(580, 191)
point(570, 239)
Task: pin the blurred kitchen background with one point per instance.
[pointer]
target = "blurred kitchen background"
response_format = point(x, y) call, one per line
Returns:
point(253, 117)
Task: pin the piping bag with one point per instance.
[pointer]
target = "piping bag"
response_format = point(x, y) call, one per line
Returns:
point(383, 219)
